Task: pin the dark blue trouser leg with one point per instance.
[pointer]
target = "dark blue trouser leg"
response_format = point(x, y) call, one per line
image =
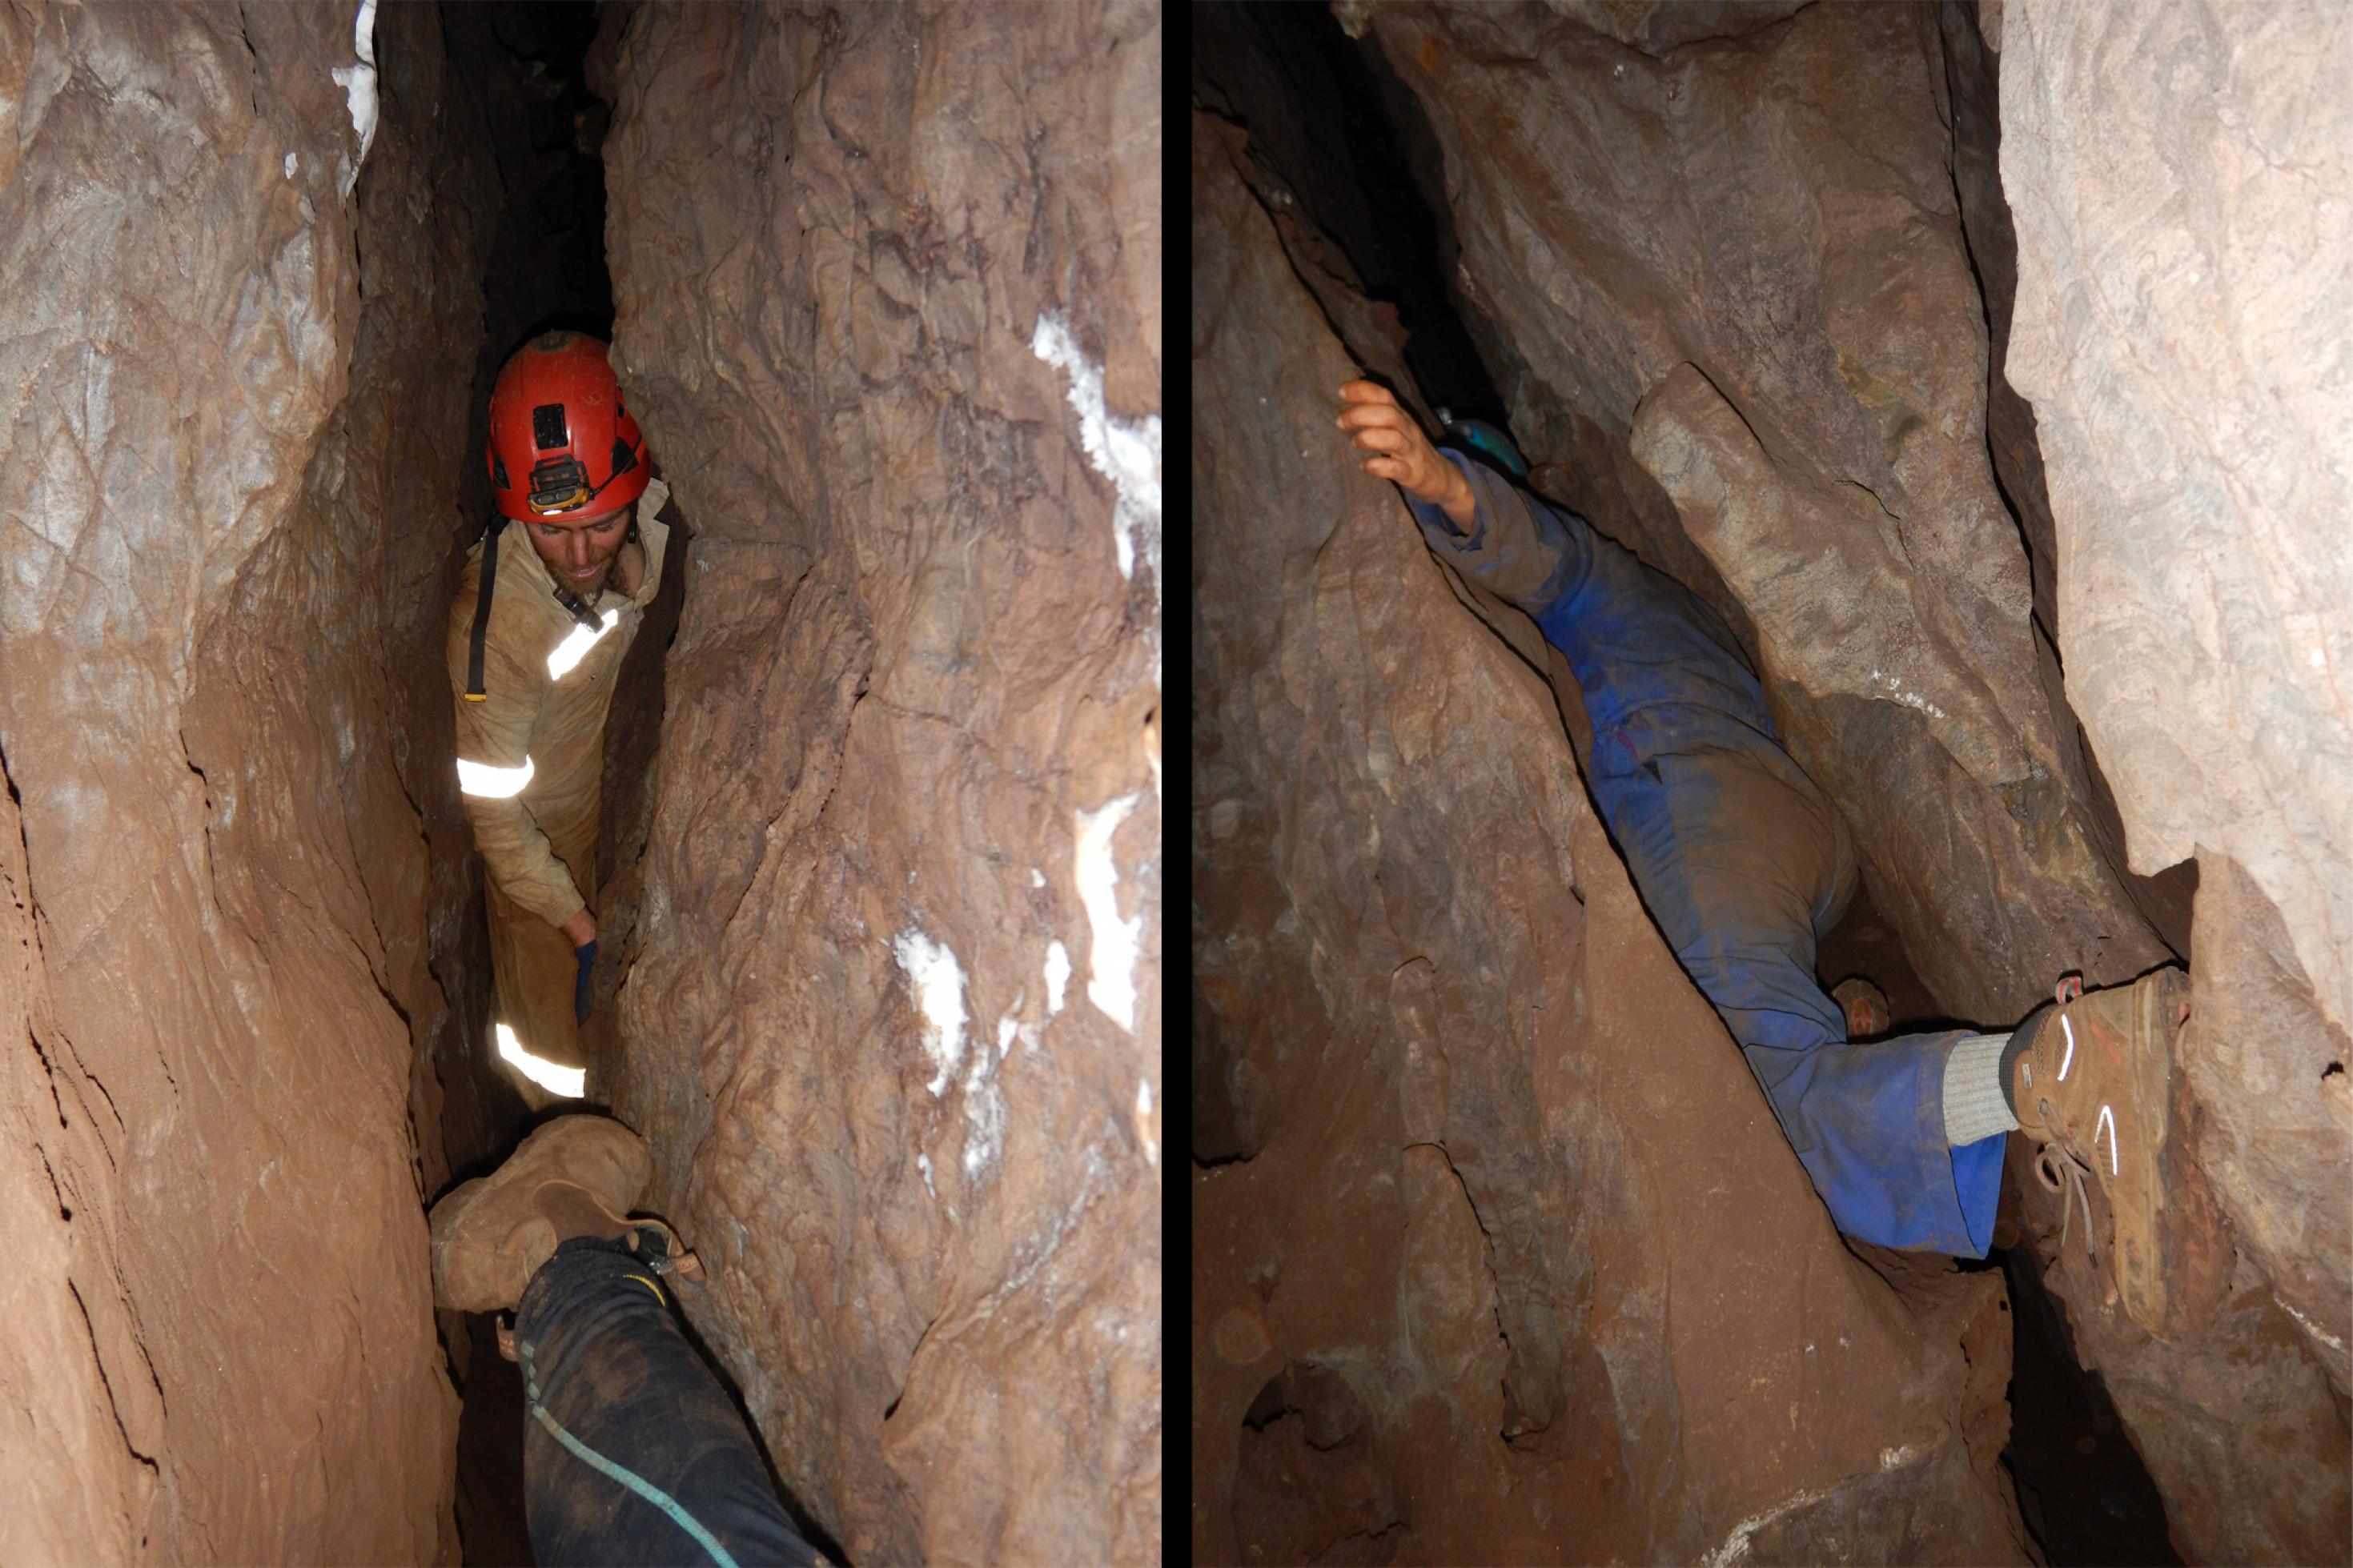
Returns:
point(603, 1361)
point(1739, 858)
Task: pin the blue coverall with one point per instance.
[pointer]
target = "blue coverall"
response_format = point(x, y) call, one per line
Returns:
point(1743, 863)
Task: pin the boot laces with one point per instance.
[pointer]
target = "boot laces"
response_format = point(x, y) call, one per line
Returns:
point(2062, 1170)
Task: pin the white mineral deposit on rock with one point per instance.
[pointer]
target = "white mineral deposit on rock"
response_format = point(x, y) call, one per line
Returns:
point(358, 82)
point(1111, 960)
point(983, 1112)
point(938, 981)
point(1144, 1123)
point(1057, 976)
point(1126, 453)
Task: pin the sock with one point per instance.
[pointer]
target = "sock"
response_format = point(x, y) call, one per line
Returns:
point(2020, 1039)
point(1976, 1100)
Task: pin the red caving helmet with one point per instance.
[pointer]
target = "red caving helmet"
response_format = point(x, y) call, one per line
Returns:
point(561, 440)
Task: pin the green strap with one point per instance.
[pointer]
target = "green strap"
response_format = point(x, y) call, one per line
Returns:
point(626, 1477)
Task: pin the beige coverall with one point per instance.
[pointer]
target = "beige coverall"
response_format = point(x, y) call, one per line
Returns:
point(530, 765)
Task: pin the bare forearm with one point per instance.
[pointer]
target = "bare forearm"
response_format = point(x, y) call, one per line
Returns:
point(1462, 507)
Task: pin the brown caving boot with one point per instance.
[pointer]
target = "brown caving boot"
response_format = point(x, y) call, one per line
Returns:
point(2095, 1084)
point(1864, 1005)
point(577, 1176)
point(1551, 480)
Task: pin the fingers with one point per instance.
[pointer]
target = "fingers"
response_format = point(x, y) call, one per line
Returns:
point(1376, 417)
point(1380, 428)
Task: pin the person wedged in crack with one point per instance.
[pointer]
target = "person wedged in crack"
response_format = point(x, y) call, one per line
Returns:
point(1745, 865)
point(552, 598)
point(634, 1453)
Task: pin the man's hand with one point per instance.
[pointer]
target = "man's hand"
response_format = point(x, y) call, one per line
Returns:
point(580, 929)
point(1402, 454)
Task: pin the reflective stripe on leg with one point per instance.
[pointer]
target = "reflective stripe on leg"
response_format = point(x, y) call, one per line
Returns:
point(569, 1082)
point(487, 783)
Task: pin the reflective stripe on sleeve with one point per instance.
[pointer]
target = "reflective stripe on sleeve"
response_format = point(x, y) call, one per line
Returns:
point(482, 780)
point(574, 648)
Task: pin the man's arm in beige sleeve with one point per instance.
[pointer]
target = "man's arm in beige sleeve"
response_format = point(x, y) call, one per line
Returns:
point(494, 766)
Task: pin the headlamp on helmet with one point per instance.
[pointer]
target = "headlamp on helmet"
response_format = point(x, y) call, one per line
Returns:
point(558, 423)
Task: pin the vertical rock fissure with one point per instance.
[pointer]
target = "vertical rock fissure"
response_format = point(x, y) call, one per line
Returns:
point(106, 1379)
point(1495, 1295)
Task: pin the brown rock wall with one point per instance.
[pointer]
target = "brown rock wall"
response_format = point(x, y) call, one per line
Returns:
point(2177, 291)
point(66, 1448)
point(1750, 273)
point(220, 858)
point(2182, 279)
point(888, 291)
point(1502, 1247)
point(1733, 255)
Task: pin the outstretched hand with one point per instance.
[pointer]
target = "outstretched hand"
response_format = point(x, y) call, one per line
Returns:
point(1401, 453)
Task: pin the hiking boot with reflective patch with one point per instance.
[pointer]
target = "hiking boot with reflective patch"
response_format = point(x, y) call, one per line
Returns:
point(577, 1176)
point(2095, 1084)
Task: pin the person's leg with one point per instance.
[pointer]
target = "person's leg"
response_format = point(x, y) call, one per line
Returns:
point(1741, 864)
point(533, 968)
point(633, 1452)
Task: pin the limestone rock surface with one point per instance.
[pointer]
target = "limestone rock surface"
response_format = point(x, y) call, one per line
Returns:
point(2177, 174)
point(888, 291)
point(1496, 1242)
point(1728, 282)
point(1754, 283)
point(216, 877)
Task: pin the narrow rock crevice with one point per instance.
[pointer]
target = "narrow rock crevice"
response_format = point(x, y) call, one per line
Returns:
point(1713, 295)
point(824, 244)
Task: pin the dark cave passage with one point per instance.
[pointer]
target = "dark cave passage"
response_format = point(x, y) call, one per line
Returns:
point(1353, 146)
point(521, 69)
point(1534, 218)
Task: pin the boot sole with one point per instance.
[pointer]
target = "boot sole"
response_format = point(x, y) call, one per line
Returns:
point(2171, 1278)
point(473, 1227)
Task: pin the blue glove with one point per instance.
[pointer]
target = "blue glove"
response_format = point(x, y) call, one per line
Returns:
point(581, 988)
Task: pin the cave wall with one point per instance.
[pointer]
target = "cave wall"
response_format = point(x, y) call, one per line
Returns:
point(888, 291)
point(2178, 302)
point(2185, 255)
point(1747, 269)
point(1723, 272)
point(216, 519)
point(1496, 1243)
